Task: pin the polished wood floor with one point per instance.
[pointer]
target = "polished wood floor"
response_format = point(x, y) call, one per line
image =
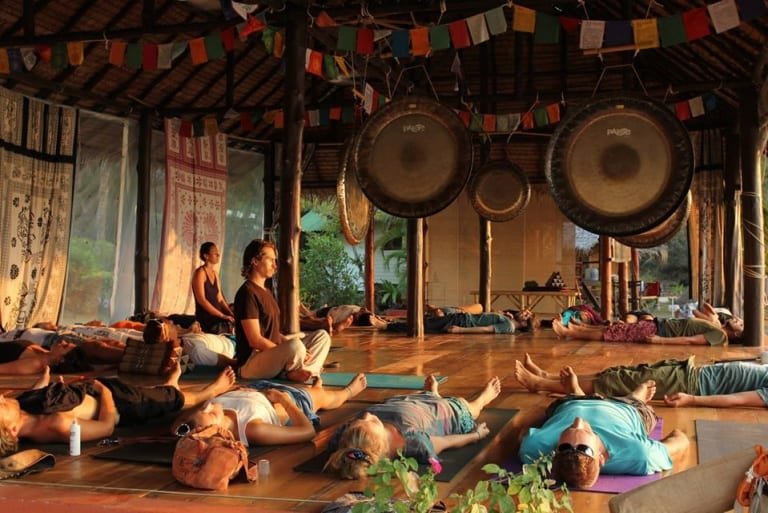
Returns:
point(468, 360)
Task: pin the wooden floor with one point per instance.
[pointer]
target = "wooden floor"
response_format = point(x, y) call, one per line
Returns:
point(468, 360)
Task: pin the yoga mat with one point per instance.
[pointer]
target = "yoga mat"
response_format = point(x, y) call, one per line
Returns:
point(717, 438)
point(607, 483)
point(452, 460)
point(159, 452)
point(405, 381)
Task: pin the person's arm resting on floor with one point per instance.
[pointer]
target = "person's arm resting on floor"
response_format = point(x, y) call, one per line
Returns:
point(300, 430)
point(441, 443)
point(739, 399)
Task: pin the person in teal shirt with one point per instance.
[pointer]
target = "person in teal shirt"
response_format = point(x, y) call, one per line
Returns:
point(590, 435)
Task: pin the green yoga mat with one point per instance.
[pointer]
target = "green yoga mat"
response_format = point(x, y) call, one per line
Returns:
point(159, 452)
point(717, 438)
point(452, 460)
point(406, 381)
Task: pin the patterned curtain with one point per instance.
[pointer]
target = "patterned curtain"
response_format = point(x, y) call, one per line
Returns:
point(37, 165)
point(194, 212)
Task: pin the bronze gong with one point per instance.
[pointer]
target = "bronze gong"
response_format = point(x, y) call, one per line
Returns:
point(660, 234)
point(413, 157)
point(499, 190)
point(619, 166)
point(355, 210)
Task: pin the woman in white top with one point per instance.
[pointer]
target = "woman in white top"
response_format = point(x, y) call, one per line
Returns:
point(270, 416)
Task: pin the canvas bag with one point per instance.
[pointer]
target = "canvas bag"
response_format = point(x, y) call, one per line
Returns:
point(156, 359)
point(209, 457)
point(752, 493)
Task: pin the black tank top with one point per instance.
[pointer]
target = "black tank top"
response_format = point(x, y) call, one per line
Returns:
point(211, 291)
point(11, 350)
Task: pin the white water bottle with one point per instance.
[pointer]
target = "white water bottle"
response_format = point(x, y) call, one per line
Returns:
point(74, 438)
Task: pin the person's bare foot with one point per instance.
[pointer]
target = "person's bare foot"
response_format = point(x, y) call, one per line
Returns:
point(490, 392)
point(570, 381)
point(173, 377)
point(560, 330)
point(645, 391)
point(535, 369)
point(357, 385)
point(526, 378)
point(341, 326)
point(378, 323)
point(298, 375)
point(44, 380)
point(431, 384)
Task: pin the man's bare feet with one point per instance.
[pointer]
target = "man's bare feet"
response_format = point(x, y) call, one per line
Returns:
point(173, 376)
point(526, 378)
point(560, 330)
point(44, 380)
point(224, 382)
point(298, 375)
point(570, 381)
point(535, 369)
point(490, 392)
point(431, 384)
point(645, 391)
point(357, 385)
point(341, 326)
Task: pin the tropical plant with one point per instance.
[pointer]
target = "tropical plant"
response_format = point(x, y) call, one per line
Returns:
point(328, 274)
point(504, 491)
point(390, 293)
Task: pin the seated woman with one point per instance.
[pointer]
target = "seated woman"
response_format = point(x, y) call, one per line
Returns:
point(22, 357)
point(420, 425)
point(45, 415)
point(211, 309)
point(274, 414)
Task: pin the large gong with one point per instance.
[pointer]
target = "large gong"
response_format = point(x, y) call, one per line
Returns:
point(499, 190)
point(355, 210)
point(413, 157)
point(619, 166)
point(662, 233)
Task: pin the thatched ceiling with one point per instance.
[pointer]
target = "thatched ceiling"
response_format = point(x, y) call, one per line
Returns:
point(507, 74)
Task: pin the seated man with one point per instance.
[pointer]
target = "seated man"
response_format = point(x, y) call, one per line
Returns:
point(45, 415)
point(590, 435)
point(678, 382)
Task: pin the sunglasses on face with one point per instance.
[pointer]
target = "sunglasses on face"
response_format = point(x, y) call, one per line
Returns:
point(580, 448)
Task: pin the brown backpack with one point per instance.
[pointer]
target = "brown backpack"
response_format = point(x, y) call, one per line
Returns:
point(209, 457)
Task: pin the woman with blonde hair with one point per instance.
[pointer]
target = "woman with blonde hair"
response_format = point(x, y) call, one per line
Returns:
point(419, 425)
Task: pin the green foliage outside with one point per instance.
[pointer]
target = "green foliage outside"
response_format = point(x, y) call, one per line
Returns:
point(669, 264)
point(328, 274)
point(504, 492)
point(92, 262)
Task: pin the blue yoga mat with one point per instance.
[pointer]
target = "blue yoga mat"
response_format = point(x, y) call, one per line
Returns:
point(406, 381)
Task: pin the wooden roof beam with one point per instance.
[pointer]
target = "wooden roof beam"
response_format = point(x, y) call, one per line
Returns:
point(29, 18)
point(21, 23)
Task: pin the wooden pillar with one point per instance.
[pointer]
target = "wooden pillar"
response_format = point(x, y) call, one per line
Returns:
point(634, 274)
point(141, 256)
point(370, 269)
point(731, 234)
point(606, 286)
point(486, 241)
point(415, 238)
point(290, 179)
point(752, 219)
point(623, 271)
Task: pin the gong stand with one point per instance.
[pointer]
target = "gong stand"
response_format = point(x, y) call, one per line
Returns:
point(370, 273)
point(606, 287)
point(486, 269)
point(415, 239)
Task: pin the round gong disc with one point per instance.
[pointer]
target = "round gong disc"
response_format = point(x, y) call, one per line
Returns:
point(663, 232)
point(355, 210)
point(413, 157)
point(619, 166)
point(499, 190)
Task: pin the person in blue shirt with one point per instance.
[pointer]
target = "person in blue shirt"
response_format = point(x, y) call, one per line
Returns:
point(590, 435)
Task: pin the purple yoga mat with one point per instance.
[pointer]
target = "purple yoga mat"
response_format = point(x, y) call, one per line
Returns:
point(606, 483)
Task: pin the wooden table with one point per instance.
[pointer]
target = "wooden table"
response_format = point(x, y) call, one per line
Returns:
point(522, 299)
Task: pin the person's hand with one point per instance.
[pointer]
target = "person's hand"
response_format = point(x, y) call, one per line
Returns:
point(276, 396)
point(678, 399)
point(650, 339)
point(100, 387)
point(482, 431)
point(229, 318)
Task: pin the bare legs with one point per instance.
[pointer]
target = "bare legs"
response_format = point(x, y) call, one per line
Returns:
point(578, 331)
point(326, 399)
point(488, 394)
point(200, 394)
point(535, 379)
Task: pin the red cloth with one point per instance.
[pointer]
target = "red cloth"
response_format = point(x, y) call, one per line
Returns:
point(459, 34)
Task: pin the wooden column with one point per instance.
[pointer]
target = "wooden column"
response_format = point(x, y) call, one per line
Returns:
point(752, 219)
point(731, 233)
point(290, 179)
point(370, 269)
point(635, 289)
point(415, 239)
point(606, 287)
point(486, 272)
point(141, 256)
point(623, 271)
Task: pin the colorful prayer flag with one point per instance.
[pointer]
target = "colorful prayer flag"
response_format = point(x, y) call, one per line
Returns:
point(724, 15)
point(75, 52)
point(570, 25)
point(279, 121)
point(5, 66)
point(268, 39)
point(117, 53)
point(696, 23)
point(29, 57)
point(45, 52)
point(489, 123)
point(751, 9)
point(496, 20)
point(246, 123)
point(325, 116)
point(459, 34)
point(149, 57)
point(420, 41)
point(364, 41)
point(592, 34)
point(710, 101)
point(15, 62)
point(682, 110)
point(439, 37)
point(198, 127)
point(646, 33)
point(323, 20)
point(671, 30)
point(342, 64)
point(347, 39)
point(477, 29)
point(348, 114)
point(197, 51)
point(553, 113)
point(368, 98)
point(314, 62)
point(329, 67)
point(465, 117)
point(335, 114)
point(279, 45)
point(524, 19)
point(696, 106)
point(540, 116)
point(618, 33)
point(59, 57)
point(211, 126)
point(314, 117)
point(401, 43)
point(252, 24)
point(185, 128)
point(164, 56)
point(527, 120)
point(133, 55)
point(547, 29)
point(228, 39)
point(476, 122)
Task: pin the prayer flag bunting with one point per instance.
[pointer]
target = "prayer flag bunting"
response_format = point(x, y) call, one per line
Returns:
point(476, 122)
point(570, 25)
point(149, 57)
point(228, 39)
point(342, 64)
point(179, 47)
point(335, 114)
point(524, 19)
point(164, 56)
point(324, 117)
point(489, 123)
point(502, 123)
point(279, 119)
point(279, 45)
point(268, 39)
point(553, 113)
point(29, 58)
point(527, 120)
point(477, 29)
point(496, 20)
point(540, 116)
point(197, 51)
point(314, 118)
point(246, 122)
point(365, 41)
point(439, 37)
point(465, 117)
point(45, 52)
point(710, 102)
point(724, 15)
point(671, 30)
point(211, 126)
point(323, 20)
point(117, 53)
point(347, 39)
point(682, 111)
point(314, 63)
point(751, 9)
point(185, 128)
point(379, 34)
point(252, 24)
point(15, 61)
point(75, 52)
point(420, 41)
point(696, 23)
point(400, 42)
point(228, 9)
point(244, 10)
point(618, 33)
point(348, 114)
point(459, 34)
point(59, 57)
point(368, 98)
point(198, 128)
point(133, 56)
point(646, 33)
point(592, 34)
point(329, 67)
point(5, 65)
point(547, 29)
point(696, 106)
